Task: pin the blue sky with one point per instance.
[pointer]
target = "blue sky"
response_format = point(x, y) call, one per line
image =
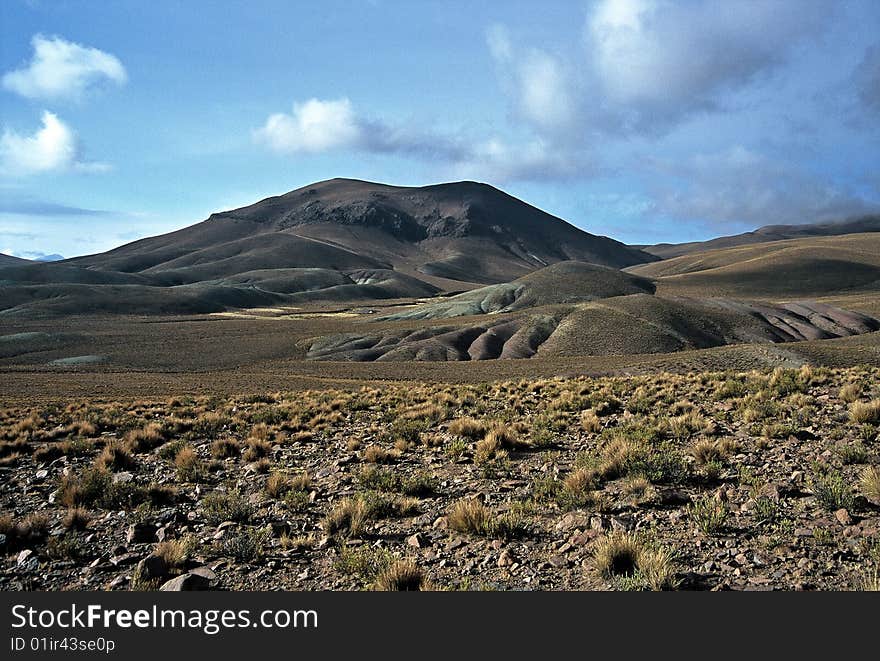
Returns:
point(645, 120)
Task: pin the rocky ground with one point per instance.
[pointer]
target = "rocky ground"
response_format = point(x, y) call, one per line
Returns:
point(712, 481)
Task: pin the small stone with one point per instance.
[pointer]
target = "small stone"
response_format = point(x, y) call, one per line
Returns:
point(843, 517)
point(505, 559)
point(186, 583)
point(416, 541)
point(122, 478)
point(23, 557)
point(41, 474)
point(141, 533)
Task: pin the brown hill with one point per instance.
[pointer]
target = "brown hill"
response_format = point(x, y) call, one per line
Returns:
point(769, 233)
point(463, 231)
point(809, 267)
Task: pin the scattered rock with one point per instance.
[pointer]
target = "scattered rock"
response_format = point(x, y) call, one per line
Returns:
point(186, 583)
point(151, 567)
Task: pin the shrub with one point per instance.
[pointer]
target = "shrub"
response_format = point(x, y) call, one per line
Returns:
point(709, 514)
point(189, 467)
point(85, 488)
point(366, 562)
point(246, 545)
point(222, 506)
point(831, 490)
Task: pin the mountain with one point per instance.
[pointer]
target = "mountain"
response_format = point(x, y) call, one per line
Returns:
point(465, 231)
point(336, 240)
point(769, 233)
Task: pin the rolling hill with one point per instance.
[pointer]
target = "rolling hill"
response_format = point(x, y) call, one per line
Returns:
point(777, 270)
point(767, 233)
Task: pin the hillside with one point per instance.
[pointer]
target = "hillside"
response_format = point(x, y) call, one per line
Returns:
point(810, 267)
point(769, 233)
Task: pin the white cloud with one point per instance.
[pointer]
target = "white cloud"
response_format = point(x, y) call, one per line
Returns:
point(63, 69)
point(314, 126)
point(53, 147)
point(317, 126)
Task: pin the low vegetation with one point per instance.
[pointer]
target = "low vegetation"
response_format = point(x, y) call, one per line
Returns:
point(714, 480)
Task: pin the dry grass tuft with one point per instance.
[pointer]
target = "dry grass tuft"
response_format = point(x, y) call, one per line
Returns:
point(865, 412)
point(401, 576)
point(622, 555)
point(869, 483)
point(77, 518)
point(468, 428)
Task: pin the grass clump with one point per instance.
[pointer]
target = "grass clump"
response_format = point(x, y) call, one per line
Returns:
point(348, 517)
point(865, 413)
point(709, 514)
point(467, 427)
point(470, 516)
point(221, 506)
point(246, 545)
point(225, 448)
point(401, 576)
point(634, 563)
point(831, 490)
point(190, 468)
point(76, 518)
point(869, 483)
